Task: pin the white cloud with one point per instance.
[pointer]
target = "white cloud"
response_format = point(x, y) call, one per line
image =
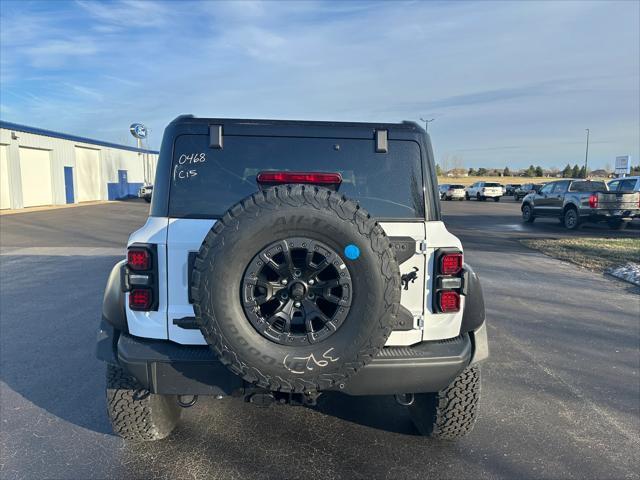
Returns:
point(54, 53)
point(129, 13)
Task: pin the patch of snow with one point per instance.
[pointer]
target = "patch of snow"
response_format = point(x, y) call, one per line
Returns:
point(629, 272)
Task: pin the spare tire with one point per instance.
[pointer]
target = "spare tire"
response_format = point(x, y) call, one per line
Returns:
point(296, 288)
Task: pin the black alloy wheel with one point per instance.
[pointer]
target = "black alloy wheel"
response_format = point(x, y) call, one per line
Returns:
point(297, 291)
point(571, 219)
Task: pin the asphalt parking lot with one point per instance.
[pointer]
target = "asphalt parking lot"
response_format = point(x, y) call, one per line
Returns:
point(560, 392)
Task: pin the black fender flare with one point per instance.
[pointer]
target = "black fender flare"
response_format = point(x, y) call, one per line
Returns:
point(473, 315)
point(113, 311)
point(114, 316)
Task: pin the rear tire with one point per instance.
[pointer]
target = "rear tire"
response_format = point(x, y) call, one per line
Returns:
point(496, 199)
point(134, 412)
point(449, 414)
point(466, 196)
point(571, 219)
point(147, 199)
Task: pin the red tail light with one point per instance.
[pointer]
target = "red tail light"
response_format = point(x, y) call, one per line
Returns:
point(593, 200)
point(140, 299)
point(140, 277)
point(451, 263)
point(449, 301)
point(448, 280)
point(317, 178)
point(139, 259)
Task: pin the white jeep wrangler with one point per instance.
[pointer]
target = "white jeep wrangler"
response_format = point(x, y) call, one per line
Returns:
point(282, 260)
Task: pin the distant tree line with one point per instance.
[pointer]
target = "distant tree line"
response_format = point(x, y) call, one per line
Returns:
point(531, 171)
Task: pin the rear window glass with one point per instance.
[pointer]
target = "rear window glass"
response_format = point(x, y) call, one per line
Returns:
point(456, 186)
point(488, 184)
point(205, 182)
point(587, 186)
point(627, 185)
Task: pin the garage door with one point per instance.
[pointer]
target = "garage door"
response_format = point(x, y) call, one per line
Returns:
point(88, 174)
point(35, 172)
point(5, 199)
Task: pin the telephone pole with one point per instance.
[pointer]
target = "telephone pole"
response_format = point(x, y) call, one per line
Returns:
point(426, 123)
point(586, 155)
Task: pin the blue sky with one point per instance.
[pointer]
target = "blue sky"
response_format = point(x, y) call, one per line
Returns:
point(508, 82)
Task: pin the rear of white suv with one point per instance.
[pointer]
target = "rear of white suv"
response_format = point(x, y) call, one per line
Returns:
point(483, 190)
point(453, 192)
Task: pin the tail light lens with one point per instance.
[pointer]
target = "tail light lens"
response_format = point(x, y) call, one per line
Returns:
point(140, 277)
point(316, 178)
point(448, 282)
point(140, 299)
point(593, 200)
point(449, 301)
point(451, 263)
point(139, 259)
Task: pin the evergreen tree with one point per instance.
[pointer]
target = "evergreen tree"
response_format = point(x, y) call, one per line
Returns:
point(566, 173)
point(531, 171)
point(539, 171)
point(482, 172)
point(583, 172)
point(575, 172)
point(506, 172)
point(472, 172)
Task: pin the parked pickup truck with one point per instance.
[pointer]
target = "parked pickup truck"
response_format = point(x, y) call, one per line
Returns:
point(577, 201)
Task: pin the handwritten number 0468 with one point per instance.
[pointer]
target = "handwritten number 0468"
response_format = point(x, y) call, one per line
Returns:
point(192, 158)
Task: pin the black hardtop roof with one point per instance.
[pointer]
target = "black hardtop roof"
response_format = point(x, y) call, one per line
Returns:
point(404, 125)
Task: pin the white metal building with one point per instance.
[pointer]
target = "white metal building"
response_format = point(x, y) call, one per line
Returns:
point(41, 167)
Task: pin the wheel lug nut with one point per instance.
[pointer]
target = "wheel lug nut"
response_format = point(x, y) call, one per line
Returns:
point(284, 281)
point(312, 281)
point(297, 304)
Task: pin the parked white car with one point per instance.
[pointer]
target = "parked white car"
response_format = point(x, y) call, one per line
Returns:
point(452, 192)
point(145, 192)
point(625, 184)
point(484, 190)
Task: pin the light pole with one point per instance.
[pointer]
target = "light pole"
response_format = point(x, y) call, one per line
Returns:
point(586, 155)
point(426, 123)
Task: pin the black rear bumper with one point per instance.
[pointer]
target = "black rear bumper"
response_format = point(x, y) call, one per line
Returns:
point(601, 215)
point(169, 368)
